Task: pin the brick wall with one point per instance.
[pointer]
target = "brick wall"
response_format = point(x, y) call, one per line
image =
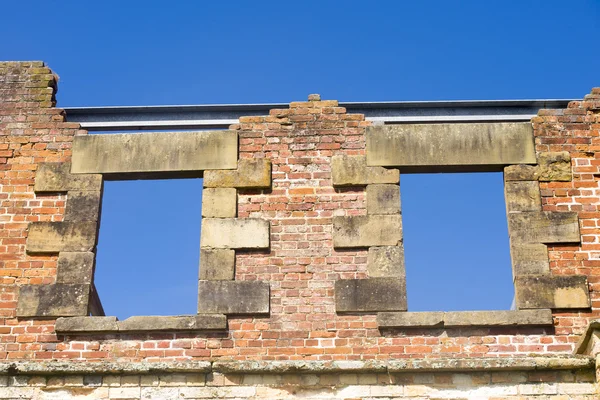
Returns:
point(301, 265)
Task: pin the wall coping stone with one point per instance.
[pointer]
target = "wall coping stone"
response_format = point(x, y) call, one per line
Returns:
point(529, 363)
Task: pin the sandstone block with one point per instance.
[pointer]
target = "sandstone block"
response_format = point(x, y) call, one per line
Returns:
point(217, 264)
point(383, 199)
point(57, 300)
point(522, 196)
point(75, 267)
point(219, 203)
point(427, 319)
point(57, 177)
point(544, 227)
point(52, 237)
point(370, 295)
point(551, 291)
point(353, 171)
point(521, 172)
point(385, 261)
point(165, 152)
point(233, 297)
point(529, 259)
point(174, 323)
point(366, 231)
point(470, 145)
point(555, 166)
point(86, 324)
point(251, 173)
point(83, 206)
point(234, 233)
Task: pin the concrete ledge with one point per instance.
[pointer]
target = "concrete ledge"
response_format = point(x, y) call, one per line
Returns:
point(455, 319)
point(367, 230)
point(156, 324)
point(53, 237)
point(471, 145)
point(370, 295)
point(154, 152)
point(552, 291)
point(517, 363)
point(235, 233)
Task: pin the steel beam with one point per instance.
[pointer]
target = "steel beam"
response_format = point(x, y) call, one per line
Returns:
point(222, 115)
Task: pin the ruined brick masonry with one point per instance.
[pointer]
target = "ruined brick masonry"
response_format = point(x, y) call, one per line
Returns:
point(302, 226)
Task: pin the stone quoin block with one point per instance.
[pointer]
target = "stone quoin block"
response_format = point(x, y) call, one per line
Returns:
point(217, 264)
point(544, 227)
point(56, 300)
point(219, 203)
point(166, 152)
point(353, 171)
point(83, 206)
point(550, 291)
point(173, 323)
point(555, 166)
point(383, 199)
point(86, 324)
point(521, 172)
point(366, 231)
point(529, 259)
point(470, 145)
point(457, 319)
point(385, 261)
point(234, 233)
point(75, 267)
point(370, 295)
point(52, 237)
point(252, 173)
point(57, 177)
point(522, 196)
point(233, 297)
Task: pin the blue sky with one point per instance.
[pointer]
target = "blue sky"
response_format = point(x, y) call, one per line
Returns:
point(151, 52)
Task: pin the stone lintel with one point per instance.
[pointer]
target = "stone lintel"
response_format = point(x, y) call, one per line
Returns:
point(522, 196)
point(233, 297)
point(370, 295)
point(544, 227)
point(552, 291)
point(83, 206)
point(235, 233)
point(147, 153)
point(474, 146)
point(383, 199)
point(252, 173)
point(217, 264)
point(57, 177)
point(75, 267)
point(219, 203)
point(56, 300)
point(385, 261)
point(367, 230)
point(353, 171)
point(52, 237)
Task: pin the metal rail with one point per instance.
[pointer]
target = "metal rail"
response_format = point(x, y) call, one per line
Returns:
point(222, 115)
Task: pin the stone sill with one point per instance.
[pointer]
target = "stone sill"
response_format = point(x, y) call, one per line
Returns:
point(101, 325)
point(459, 319)
point(521, 363)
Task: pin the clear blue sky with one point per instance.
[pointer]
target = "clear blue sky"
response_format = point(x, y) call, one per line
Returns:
point(150, 52)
